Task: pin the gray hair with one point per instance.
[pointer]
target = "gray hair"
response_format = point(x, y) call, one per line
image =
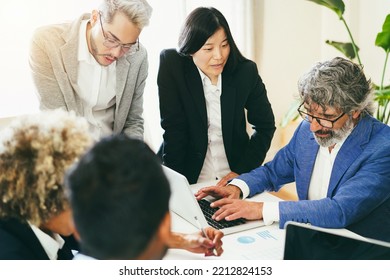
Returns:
point(338, 83)
point(137, 11)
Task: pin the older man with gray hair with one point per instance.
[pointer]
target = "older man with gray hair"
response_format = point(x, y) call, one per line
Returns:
point(339, 158)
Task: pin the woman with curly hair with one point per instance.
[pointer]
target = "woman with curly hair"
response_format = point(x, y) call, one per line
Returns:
point(35, 216)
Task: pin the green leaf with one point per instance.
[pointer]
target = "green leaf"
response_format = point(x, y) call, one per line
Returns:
point(345, 48)
point(383, 38)
point(377, 88)
point(383, 94)
point(335, 5)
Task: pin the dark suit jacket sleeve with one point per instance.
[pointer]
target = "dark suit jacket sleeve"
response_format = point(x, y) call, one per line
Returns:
point(173, 117)
point(261, 117)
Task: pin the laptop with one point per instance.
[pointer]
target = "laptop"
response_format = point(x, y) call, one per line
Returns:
point(184, 204)
point(306, 242)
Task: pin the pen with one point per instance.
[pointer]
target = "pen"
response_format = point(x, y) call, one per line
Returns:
point(204, 233)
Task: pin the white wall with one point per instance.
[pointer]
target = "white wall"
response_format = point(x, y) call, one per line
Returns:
point(18, 19)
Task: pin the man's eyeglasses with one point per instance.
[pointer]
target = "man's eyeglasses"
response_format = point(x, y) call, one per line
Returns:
point(111, 43)
point(323, 122)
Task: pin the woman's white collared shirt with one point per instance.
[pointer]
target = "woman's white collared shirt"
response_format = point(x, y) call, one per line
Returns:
point(215, 164)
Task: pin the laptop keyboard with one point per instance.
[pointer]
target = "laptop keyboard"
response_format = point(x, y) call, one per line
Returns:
point(209, 212)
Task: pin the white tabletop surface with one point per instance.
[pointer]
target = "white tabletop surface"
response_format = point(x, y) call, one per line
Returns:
point(266, 242)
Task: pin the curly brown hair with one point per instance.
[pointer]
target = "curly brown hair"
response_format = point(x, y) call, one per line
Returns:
point(35, 152)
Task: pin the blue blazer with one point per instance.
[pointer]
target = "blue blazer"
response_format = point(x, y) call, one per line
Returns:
point(358, 197)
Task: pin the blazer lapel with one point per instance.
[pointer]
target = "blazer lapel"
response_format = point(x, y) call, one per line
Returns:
point(122, 69)
point(25, 234)
point(351, 149)
point(228, 113)
point(71, 66)
point(307, 159)
point(195, 86)
point(70, 61)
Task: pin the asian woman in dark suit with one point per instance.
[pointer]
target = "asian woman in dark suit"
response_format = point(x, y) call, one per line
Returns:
point(208, 93)
point(35, 217)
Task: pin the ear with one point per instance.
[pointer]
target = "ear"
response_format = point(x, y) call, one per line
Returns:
point(76, 235)
point(94, 17)
point(164, 231)
point(75, 232)
point(356, 114)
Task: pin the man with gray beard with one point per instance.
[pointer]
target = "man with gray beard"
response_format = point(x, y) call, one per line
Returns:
point(339, 158)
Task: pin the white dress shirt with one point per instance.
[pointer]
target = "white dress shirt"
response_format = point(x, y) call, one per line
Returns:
point(97, 85)
point(51, 245)
point(322, 171)
point(82, 257)
point(215, 165)
point(318, 187)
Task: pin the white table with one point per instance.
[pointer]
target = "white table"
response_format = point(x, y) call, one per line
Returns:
point(266, 242)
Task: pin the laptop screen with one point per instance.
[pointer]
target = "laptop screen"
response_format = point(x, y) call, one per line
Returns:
point(305, 242)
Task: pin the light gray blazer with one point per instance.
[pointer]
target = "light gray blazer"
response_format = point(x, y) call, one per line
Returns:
point(54, 66)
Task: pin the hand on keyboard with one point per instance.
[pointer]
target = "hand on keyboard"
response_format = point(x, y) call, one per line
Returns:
point(232, 209)
point(208, 212)
point(229, 191)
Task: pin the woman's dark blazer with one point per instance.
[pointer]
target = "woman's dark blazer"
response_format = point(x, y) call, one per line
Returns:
point(19, 242)
point(184, 116)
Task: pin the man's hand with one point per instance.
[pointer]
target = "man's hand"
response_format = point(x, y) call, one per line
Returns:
point(229, 191)
point(223, 182)
point(198, 243)
point(232, 209)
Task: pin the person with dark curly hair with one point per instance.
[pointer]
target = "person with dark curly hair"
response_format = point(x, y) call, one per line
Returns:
point(35, 215)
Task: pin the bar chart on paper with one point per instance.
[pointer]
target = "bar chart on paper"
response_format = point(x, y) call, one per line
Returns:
point(266, 234)
point(256, 244)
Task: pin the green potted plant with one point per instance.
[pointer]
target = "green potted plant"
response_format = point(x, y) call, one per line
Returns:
point(351, 51)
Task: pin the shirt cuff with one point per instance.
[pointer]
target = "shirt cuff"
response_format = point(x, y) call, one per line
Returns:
point(242, 185)
point(270, 212)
